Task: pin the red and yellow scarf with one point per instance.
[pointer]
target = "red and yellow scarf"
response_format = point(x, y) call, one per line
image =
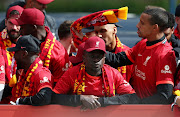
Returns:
point(5, 42)
point(25, 85)
point(120, 48)
point(97, 19)
point(46, 48)
point(79, 85)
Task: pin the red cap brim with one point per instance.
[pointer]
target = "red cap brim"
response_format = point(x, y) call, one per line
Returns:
point(91, 49)
point(16, 22)
point(45, 1)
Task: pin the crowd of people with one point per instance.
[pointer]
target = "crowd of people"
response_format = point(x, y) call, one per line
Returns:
point(83, 62)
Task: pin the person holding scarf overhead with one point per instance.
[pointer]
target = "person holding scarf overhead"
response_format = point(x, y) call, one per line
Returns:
point(103, 24)
point(53, 54)
point(93, 79)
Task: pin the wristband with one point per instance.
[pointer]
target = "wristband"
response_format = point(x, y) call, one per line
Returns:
point(17, 101)
point(174, 103)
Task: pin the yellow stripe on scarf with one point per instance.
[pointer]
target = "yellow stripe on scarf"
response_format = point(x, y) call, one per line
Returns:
point(111, 17)
point(13, 81)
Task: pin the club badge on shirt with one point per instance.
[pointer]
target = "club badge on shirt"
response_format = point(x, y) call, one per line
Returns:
point(147, 59)
point(45, 79)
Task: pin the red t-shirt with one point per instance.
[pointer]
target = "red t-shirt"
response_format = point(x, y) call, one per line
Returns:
point(153, 65)
point(93, 85)
point(41, 78)
point(59, 62)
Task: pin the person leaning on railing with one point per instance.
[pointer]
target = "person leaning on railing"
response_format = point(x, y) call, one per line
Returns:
point(96, 83)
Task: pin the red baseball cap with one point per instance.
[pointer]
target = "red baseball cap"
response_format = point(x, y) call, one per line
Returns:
point(78, 58)
point(30, 16)
point(14, 8)
point(95, 43)
point(44, 1)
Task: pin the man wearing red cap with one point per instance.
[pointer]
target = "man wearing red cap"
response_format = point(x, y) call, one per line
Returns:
point(53, 54)
point(41, 5)
point(96, 79)
point(8, 38)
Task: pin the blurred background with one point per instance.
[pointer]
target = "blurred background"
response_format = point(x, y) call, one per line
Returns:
point(73, 9)
point(135, 6)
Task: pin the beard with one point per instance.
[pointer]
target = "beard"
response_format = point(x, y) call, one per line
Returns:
point(13, 37)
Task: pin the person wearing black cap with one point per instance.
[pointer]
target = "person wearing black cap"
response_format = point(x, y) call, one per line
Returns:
point(34, 84)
